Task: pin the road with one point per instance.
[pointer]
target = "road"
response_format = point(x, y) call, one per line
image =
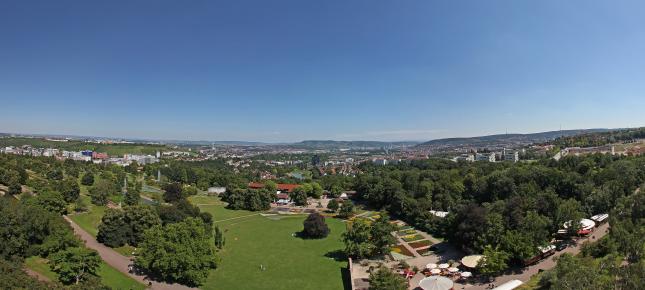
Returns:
point(119, 261)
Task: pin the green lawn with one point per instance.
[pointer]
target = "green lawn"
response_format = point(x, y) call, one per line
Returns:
point(290, 262)
point(40, 265)
point(109, 276)
point(89, 221)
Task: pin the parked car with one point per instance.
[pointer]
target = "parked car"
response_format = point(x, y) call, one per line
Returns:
point(561, 246)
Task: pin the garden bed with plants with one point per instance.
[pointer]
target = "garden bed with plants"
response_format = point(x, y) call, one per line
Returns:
point(411, 238)
point(420, 244)
point(406, 232)
point(403, 228)
point(424, 252)
point(402, 250)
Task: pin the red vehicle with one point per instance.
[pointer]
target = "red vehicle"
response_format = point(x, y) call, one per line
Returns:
point(583, 232)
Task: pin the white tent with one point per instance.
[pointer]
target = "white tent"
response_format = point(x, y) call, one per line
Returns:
point(431, 266)
point(471, 261)
point(510, 285)
point(599, 217)
point(466, 274)
point(453, 270)
point(436, 283)
point(443, 266)
point(435, 271)
point(585, 224)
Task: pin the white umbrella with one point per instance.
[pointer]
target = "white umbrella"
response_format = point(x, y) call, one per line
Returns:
point(436, 283)
point(453, 269)
point(431, 266)
point(443, 266)
point(471, 261)
point(435, 271)
point(466, 274)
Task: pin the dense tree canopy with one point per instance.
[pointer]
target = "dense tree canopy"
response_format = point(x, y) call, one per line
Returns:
point(180, 252)
point(74, 265)
point(127, 226)
point(384, 279)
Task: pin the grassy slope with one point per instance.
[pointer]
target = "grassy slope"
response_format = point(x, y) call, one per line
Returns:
point(109, 276)
point(89, 221)
point(291, 262)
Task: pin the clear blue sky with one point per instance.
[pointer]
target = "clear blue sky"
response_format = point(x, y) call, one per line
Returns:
point(335, 69)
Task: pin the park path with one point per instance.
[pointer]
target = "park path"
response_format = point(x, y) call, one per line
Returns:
point(118, 261)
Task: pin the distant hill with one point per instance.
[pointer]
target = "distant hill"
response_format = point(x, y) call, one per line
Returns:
point(506, 139)
point(352, 144)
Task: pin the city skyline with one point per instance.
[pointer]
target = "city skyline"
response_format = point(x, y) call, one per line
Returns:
point(290, 70)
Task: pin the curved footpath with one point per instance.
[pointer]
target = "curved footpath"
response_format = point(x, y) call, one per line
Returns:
point(118, 261)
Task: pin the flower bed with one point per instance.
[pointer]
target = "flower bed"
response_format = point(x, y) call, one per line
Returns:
point(424, 252)
point(420, 244)
point(403, 228)
point(402, 250)
point(410, 238)
point(406, 232)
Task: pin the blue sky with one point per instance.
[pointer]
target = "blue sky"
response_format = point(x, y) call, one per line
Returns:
point(295, 70)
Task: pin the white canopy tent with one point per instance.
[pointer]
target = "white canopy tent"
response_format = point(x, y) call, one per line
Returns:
point(471, 261)
point(510, 285)
point(436, 283)
point(431, 266)
point(585, 224)
point(600, 217)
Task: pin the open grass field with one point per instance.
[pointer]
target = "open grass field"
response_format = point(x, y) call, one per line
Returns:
point(89, 221)
point(290, 262)
point(109, 276)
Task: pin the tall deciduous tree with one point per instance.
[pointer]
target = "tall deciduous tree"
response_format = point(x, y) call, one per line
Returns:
point(173, 192)
point(180, 252)
point(332, 205)
point(385, 279)
point(346, 210)
point(494, 261)
point(87, 179)
point(357, 239)
point(75, 264)
point(69, 189)
point(101, 190)
point(315, 226)
point(298, 196)
point(381, 234)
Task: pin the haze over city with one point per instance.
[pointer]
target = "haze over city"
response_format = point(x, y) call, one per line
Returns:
point(282, 71)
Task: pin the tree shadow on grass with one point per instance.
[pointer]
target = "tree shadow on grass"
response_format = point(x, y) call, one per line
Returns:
point(304, 236)
point(337, 255)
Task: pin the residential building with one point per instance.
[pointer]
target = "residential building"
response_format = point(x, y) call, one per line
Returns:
point(465, 157)
point(511, 155)
point(489, 157)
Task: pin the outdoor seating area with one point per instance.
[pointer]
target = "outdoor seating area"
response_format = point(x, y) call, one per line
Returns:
point(449, 270)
